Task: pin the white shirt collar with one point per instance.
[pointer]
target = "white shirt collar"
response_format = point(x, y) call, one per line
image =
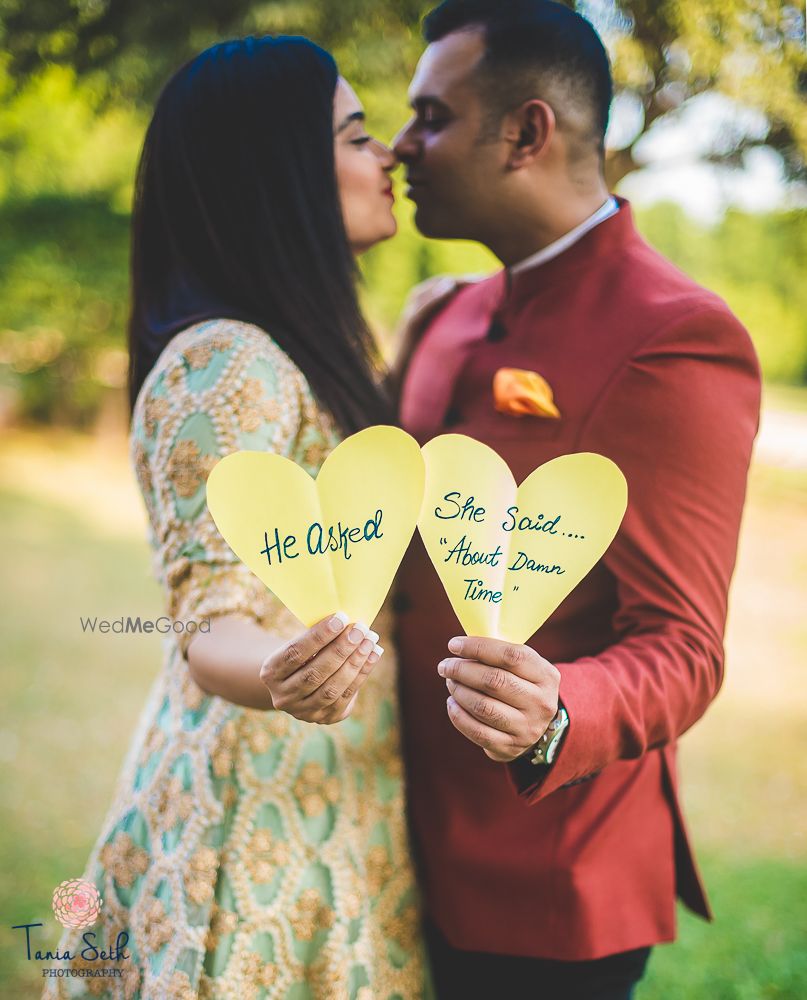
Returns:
point(554, 249)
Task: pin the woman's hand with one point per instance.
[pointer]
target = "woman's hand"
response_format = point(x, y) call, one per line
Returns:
point(317, 675)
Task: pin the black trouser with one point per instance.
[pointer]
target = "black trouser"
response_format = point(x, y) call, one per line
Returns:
point(468, 975)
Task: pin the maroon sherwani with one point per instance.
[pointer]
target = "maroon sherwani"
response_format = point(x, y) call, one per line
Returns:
point(655, 372)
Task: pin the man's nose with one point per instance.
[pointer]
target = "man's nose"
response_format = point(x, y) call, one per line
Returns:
point(404, 145)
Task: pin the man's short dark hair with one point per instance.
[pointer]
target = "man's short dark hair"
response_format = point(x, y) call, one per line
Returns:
point(533, 48)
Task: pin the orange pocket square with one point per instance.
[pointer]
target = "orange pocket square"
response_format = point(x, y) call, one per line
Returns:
point(520, 392)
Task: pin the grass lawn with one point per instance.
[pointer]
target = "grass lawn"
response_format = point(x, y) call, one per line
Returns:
point(73, 538)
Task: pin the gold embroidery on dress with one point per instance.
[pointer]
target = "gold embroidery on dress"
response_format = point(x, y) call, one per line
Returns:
point(180, 987)
point(173, 803)
point(200, 879)
point(403, 927)
point(222, 923)
point(256, 731)
point(192, 694)
point(218, 793)
point(223, 755)
point(379, 869)
point(314, 455)
point(264, 854)
point(253, 407)
point(124, 860)
point(153, 743)
point(258, 972)
point(200, 355)
point(188, 468)
point(315, 790)
point(156, 925)
point(309, 915)
point(155, 409)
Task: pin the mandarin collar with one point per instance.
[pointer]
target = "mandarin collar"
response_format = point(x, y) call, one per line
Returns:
point(606, 239)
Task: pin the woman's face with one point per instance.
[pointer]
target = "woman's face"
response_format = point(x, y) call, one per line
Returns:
point(362, 173)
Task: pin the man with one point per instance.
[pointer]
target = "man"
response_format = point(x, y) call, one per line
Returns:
point(543, 790)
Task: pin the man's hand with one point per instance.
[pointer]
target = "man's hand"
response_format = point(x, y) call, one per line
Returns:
point(502, 696)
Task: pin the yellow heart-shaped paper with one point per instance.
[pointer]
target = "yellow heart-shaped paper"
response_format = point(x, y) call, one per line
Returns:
point(506, 555)
point(328, 544)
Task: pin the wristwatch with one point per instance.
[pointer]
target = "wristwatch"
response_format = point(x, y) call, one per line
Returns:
point(543, 752)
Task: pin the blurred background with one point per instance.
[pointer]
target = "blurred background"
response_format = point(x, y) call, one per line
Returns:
point(708, 140)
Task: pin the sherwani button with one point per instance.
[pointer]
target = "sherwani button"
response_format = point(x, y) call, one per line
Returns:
point(496, 331)
point(401, 603)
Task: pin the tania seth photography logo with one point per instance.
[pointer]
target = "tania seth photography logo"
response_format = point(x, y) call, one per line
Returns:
point(77, 904)
point(146, 626)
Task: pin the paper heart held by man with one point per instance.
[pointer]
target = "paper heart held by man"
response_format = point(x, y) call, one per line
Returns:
point(506, 554)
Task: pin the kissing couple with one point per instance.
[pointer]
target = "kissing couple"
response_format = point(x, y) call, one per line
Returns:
point(404, 811)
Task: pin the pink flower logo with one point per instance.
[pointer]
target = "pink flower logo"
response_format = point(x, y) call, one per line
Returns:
point(76, 903)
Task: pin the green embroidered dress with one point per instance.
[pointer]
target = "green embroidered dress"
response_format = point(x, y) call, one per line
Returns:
point(246, 854)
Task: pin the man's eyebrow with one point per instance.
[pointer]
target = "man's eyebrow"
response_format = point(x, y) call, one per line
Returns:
point(356, 116)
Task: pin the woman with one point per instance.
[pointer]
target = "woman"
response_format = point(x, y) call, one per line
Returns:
point(250, 853)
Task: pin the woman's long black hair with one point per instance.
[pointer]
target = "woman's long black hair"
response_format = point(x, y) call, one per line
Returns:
point(237, 215)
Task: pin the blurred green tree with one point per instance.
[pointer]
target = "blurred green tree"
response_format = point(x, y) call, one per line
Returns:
point(78, 77)
point(63, 290)
point(665, 52)
point(757, 264)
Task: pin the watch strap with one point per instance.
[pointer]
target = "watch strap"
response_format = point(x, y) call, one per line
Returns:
point(543, 752)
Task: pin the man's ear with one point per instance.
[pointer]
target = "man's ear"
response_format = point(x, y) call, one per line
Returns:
point(529, 130)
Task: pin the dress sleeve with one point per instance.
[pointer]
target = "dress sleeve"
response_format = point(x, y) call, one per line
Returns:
point(218, 388)
point(680, 421)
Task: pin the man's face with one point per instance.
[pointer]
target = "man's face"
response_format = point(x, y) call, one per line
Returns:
point(453, 177)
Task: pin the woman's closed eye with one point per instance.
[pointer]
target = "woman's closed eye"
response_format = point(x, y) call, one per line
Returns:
point(361, 141)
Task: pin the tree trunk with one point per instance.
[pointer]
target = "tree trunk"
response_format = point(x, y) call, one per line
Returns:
point(618, 164)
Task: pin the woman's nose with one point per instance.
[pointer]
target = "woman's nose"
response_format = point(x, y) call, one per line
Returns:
point(385, 155)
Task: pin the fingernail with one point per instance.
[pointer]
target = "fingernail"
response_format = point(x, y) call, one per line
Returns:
point(441, 668)
point(378, 650)
point(366, 647)
point(338, 622)
point(373, 658)
point(365, 629)
point(372, 635)
point(455, 645)
point(355, 635)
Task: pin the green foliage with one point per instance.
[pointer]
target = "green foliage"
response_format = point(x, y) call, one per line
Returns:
point(64, 290)
point(757, 264)
point(59, 134)
point(137, 45)
point(665, 52)
point(76, 87)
